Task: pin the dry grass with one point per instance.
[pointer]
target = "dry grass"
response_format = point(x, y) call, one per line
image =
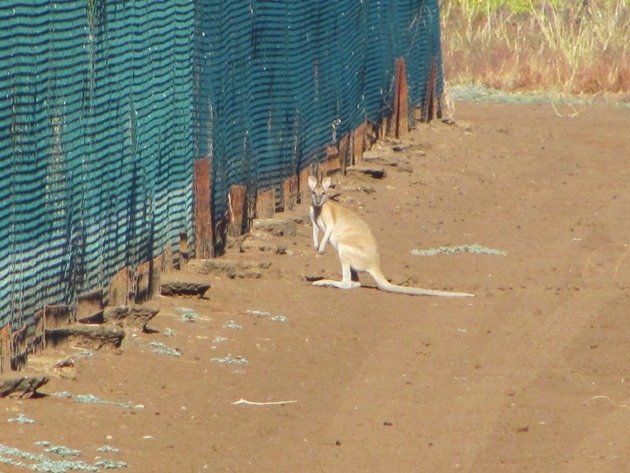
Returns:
point(569, 46)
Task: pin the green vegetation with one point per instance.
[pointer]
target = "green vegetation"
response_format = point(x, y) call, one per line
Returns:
point(564, 46)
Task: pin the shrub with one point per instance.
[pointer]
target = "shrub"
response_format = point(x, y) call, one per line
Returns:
point(570, 46)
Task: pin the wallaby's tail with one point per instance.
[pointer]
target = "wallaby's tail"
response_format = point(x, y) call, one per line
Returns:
point(384, 285)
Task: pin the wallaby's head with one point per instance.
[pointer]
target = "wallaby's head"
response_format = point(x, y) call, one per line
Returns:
point(319, 190)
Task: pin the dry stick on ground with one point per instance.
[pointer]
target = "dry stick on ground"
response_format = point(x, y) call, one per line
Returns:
point(587, 263)
point(603, 397)
point(252, 403)
point(622, 258)
point(573, 115)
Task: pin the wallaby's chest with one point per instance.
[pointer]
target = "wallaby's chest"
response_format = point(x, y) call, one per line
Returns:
point(324, 216)
point(316, 217)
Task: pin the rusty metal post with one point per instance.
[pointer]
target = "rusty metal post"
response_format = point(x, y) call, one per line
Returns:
point(265, 203)
point(204, 237)
point(429, 105)
point(303, 190)
point(237, 201)
point(400, 117)
point(5, 349)
point(290, 192)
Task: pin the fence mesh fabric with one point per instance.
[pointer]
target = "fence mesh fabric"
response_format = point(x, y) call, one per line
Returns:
point(105, 105)
point(96, 144)
point(278, 80)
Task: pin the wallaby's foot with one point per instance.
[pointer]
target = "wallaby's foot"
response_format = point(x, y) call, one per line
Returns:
point(337, 284)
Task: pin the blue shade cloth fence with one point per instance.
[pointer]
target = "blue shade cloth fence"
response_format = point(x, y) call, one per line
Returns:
point(105, 106)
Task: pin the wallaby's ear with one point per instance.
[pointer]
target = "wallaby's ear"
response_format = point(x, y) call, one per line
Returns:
point(326, 182)
point(312, 182)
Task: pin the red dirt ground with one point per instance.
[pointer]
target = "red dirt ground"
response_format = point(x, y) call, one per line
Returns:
point(532, 375)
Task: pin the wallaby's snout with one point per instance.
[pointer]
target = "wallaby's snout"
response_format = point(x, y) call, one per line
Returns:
point(318, 196)
point(318, 190)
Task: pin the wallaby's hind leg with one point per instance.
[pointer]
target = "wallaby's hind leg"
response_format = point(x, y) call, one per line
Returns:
point(346, 279)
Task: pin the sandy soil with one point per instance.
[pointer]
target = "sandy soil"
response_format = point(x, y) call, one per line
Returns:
point(532, 375)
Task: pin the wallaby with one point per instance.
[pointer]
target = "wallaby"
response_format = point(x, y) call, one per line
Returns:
point(354, 242)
